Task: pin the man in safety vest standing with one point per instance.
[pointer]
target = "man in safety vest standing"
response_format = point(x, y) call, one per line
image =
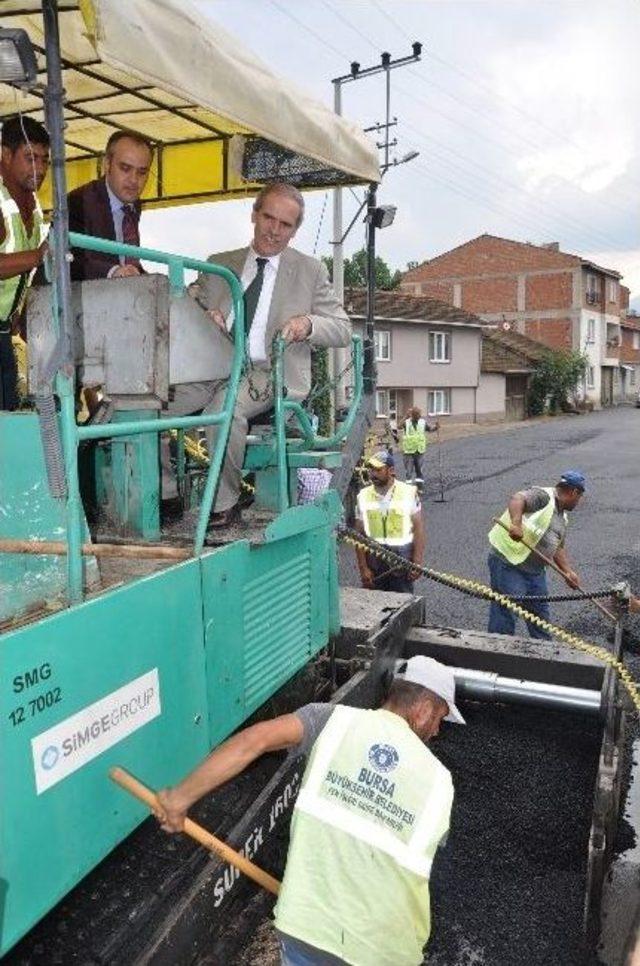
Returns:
point(535, 518)
point(374, 804)
point(389, 512)
point(414, 444)
point(23, 166)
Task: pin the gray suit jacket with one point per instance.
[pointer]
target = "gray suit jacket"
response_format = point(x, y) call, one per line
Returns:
point(302, 287)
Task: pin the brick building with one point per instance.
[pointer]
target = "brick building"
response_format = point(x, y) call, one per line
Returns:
point(562, 300)
point(630, 358)
point(509, 359)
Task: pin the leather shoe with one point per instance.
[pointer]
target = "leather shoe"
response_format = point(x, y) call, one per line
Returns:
point(225, 518)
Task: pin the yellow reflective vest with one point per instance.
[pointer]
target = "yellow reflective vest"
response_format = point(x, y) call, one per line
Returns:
point(534, 527)
point(16, 239)
point(391, 527)
point(414, 439)
point(373, 806)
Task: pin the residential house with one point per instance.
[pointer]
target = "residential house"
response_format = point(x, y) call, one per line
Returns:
point(509, 359)
point(557, 298)
point(629, 358)
point(428, 354)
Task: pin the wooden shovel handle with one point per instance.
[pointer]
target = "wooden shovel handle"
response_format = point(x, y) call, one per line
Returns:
point(551, 563)
point(197, 832)
point(59, 548)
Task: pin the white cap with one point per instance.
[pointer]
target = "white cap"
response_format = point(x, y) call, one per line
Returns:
point(437, 678)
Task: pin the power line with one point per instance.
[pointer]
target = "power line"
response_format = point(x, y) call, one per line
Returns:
point(287, 13)
point(472, 109)
point(477, 83)
point(581, 226)
point(584, 227)
point(597, 237)
point(526, 226)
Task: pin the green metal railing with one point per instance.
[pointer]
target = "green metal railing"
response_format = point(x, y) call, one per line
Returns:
point(282, 405)
point(72, 434)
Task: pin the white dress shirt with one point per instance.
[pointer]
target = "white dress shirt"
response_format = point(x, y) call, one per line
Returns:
point(257, 345)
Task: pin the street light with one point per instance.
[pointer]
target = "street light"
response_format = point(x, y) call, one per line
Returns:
point(409, 156)
point(383, 216)
point(17, 58)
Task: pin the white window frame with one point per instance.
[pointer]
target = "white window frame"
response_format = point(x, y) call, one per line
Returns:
point(440, 347)
point(612, 290)
point(439, 402)
point(382, 403)
point(635, 340)
point(594, 283)
point(387, 403)
point(381, 343)
point(591, 377)
point(591, 331)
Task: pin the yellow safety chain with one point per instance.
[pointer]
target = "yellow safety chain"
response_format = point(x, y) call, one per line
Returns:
point(197, 450)
point(465, 583)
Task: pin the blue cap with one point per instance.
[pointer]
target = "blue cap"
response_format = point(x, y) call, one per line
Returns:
point(382, 458)
point(574, 478)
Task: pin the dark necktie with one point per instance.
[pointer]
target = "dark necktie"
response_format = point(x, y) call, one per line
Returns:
point(130, 233)
point(252, 294)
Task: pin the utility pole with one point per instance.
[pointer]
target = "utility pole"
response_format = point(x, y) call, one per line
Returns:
point(357, 73)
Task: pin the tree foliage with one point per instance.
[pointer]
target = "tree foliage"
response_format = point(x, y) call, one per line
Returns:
point(321, 405)
point(355, 272)
point(556, 378)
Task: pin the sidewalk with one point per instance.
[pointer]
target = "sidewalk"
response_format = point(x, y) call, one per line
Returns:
point(461, 430)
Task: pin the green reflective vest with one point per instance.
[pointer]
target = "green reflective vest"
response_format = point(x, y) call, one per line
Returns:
point(414, 439)
point(534, 526)
point(373, 806)
point(16, 239)
point(392, 528)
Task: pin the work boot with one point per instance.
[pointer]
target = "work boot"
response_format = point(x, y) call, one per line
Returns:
point(225, 518)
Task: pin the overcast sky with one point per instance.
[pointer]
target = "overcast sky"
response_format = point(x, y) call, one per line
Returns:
point(524, 114)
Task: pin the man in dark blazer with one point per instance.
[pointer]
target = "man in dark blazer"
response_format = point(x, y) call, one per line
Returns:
point(109, 207)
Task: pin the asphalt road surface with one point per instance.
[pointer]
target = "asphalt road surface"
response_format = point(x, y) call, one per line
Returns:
point(508, 888)
point(481, 472)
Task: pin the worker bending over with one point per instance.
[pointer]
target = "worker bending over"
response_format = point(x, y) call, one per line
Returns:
point(374, 804)
point(389, 512)
point(537, 520)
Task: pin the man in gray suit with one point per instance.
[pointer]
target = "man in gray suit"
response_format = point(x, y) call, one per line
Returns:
point(285, 291)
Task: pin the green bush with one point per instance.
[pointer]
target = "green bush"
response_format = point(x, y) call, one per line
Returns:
point(556, 377)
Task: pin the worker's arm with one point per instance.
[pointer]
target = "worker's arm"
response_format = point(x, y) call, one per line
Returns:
point(224, 763)
point(561, 558)
point(516, 508)
point(366, 574)
point(419, 540)
point(634, 605)
point(17, 263)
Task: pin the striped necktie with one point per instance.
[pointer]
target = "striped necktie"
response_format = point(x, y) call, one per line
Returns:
point(130, 233)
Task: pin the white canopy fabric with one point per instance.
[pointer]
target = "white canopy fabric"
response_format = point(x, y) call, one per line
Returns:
point(222, 122)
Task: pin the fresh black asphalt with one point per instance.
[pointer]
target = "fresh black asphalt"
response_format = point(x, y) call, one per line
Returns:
point(508, 888)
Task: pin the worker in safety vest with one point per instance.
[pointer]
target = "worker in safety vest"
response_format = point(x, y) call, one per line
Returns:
point(373, 805)
point(23, 166)
point(389, 512)
point(414, 444)
point(537, 517)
